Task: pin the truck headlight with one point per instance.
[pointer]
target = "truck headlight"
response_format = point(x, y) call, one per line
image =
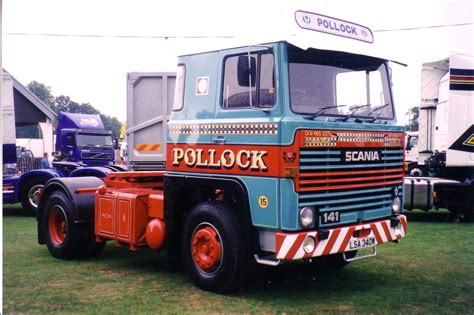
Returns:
point(396, 205)
point(306, 217)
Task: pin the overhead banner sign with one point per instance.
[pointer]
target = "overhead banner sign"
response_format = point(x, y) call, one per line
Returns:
point(329, 25)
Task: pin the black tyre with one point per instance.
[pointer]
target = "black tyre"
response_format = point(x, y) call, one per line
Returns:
point(333, 262)
point(30, 195)
point(64, 238)
point(213, 249)
point(416, 170)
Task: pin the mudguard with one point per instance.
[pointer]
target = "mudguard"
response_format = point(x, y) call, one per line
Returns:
point(83, 202)
point(96, 171)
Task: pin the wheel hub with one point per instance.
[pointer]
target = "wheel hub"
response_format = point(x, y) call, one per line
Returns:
point(57, 225)
point(206, 248)
point(34, 195)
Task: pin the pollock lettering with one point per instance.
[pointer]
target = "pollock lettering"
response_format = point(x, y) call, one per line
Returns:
point(245, 159)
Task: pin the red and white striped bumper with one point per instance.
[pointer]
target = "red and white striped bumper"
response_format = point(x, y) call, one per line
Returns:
point(289, 246)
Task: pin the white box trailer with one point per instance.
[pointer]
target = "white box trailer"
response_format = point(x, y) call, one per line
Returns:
point(446, 137)
point(150, 98)
point(447, 109)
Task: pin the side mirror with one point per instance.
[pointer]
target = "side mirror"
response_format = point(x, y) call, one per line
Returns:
point(116, 143)
point(246, 73)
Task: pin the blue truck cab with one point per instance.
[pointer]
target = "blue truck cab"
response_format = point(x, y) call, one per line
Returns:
point(300, 139)
point(83, 138)
point(86, 149)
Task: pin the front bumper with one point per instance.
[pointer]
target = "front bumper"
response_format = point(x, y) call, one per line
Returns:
point(289, 246)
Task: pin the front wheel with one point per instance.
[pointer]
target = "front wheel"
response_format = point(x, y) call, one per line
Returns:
point(213, 248)
point(30, 195)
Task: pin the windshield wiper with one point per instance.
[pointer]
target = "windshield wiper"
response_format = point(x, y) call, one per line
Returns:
point(376, 110)
point(353, 111)
point(321, 111)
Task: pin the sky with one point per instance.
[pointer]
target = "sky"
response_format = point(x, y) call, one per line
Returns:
point(84, 49)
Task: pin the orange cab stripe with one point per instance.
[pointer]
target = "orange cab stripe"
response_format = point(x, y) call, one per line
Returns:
point(328, 174)
point(382, 183)
point(255, 160)
point(345, 180)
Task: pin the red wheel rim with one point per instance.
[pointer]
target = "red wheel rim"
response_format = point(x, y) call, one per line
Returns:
point(206, 248)
point(57, 225)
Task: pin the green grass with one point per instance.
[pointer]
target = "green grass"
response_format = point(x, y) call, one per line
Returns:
point(430, 271)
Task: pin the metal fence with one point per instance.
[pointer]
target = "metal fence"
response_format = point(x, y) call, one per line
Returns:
point(24, 164)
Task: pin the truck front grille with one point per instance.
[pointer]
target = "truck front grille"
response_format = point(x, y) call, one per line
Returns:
point(324, 170)
point(357, 190)
point(96, 156)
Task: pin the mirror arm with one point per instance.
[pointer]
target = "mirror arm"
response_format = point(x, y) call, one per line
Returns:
point(250, 79)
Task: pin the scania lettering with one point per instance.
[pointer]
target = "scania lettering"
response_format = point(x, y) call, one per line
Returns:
point(362, 156)
point(270, 156)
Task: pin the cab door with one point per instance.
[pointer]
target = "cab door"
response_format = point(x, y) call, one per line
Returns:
point(247, 119)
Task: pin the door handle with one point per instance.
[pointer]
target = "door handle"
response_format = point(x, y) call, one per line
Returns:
point(219, 140)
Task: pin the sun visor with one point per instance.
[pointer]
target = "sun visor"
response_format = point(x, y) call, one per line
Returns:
point(312, 30)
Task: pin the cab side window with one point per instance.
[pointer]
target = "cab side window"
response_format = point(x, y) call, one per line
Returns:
point(246, 78)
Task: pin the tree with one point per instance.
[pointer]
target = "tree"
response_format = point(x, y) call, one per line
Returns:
point(43, 92)
point(111, 123)
point(64, 103)
point(413, 114)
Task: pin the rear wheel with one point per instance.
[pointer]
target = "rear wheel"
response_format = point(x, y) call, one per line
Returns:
point(64, 238)
point(213, 249)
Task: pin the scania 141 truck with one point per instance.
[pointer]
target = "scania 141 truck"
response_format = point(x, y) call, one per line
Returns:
point(274, 153)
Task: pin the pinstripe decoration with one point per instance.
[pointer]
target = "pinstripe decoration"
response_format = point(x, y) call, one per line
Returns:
point(316, 141)
point(461, 79)
point(360, 137)
point(290, 246)
point(224, 129)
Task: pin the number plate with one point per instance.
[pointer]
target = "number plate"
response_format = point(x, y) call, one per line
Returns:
point(362, 242)
point(330, 217)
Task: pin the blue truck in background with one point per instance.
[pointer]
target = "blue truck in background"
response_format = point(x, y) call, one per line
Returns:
point(84, 147)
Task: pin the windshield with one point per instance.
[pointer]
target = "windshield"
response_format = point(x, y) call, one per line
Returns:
point(88, 140)
point(338, 84)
